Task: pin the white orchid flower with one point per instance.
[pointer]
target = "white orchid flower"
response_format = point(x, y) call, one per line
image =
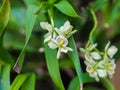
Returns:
point(49, 28)
point(66, 30)
point(62, 42)
point(111, 68)
point(92, 72)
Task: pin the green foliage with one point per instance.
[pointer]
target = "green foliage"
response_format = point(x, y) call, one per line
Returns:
point(4, 76)
point(53, 67)
point(30, 21)
point(27, 81)
point(74, 57)
point(21, 37)
point(4, 15)
point(64, 7)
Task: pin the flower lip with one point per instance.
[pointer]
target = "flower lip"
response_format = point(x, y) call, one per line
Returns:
point(111, 66)
point(60, 40)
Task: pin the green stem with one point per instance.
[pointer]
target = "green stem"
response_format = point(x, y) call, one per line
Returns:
point(93, 29)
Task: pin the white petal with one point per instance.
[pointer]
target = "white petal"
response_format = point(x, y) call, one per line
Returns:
point(63, 50)
point(112, 51)
point(52, 45)
point(46, 26)
point(94, 74)
point(101, 73)
point(95, 55)
point(43, 25)
point(111, 72)
point(89, 68)
point(48, 38)
point(69, 49)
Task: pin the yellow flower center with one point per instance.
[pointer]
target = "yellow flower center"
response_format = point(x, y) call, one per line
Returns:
point(91, 71)
point(61, 41)
point(110, 68)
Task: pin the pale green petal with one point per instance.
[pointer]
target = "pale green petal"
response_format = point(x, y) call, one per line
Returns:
point(95, 55)
point(52, 45)
point(48, 38)
point(112, 51)
point(107, 46)
point(91, 47)
point(101, 72)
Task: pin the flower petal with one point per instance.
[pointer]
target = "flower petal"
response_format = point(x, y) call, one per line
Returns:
point(101, 73)
point(95, 55)
point(47, 38)
point(112, 51)
point(46, 26)
point(52, 45)
point(107, 46)
point(91, 47)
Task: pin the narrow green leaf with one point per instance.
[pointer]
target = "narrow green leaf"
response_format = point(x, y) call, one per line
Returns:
point(53, 67)
point(74, 84)
point(75, 58)
point(5, 77)
point(19, 80)
point(4, 55)
point(29, 84)
point(98, 4)
point(87, 79)
point(65, 7)
point(30, 21)
point(4, 15)
point(107, 84)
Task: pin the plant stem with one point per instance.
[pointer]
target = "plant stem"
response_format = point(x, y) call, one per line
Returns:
point(93, 29)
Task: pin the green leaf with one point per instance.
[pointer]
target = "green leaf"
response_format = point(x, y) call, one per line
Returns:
point(30, 21)
point(52, 1)
point(75, 58)
point(107, 84)
point(4, 15)
point(5, 56)
point(43, 7)
point(29, 84)
point(5, 77)
point(53, 67)
point(74, 84)
point(65, 7)
point(98, 4)
point(19, 80)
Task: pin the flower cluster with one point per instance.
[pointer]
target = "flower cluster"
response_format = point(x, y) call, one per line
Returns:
point(100, 64)
point(58, 37)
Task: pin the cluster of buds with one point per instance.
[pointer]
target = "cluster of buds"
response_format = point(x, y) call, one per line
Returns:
point(57, 38)
point(100, 64)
